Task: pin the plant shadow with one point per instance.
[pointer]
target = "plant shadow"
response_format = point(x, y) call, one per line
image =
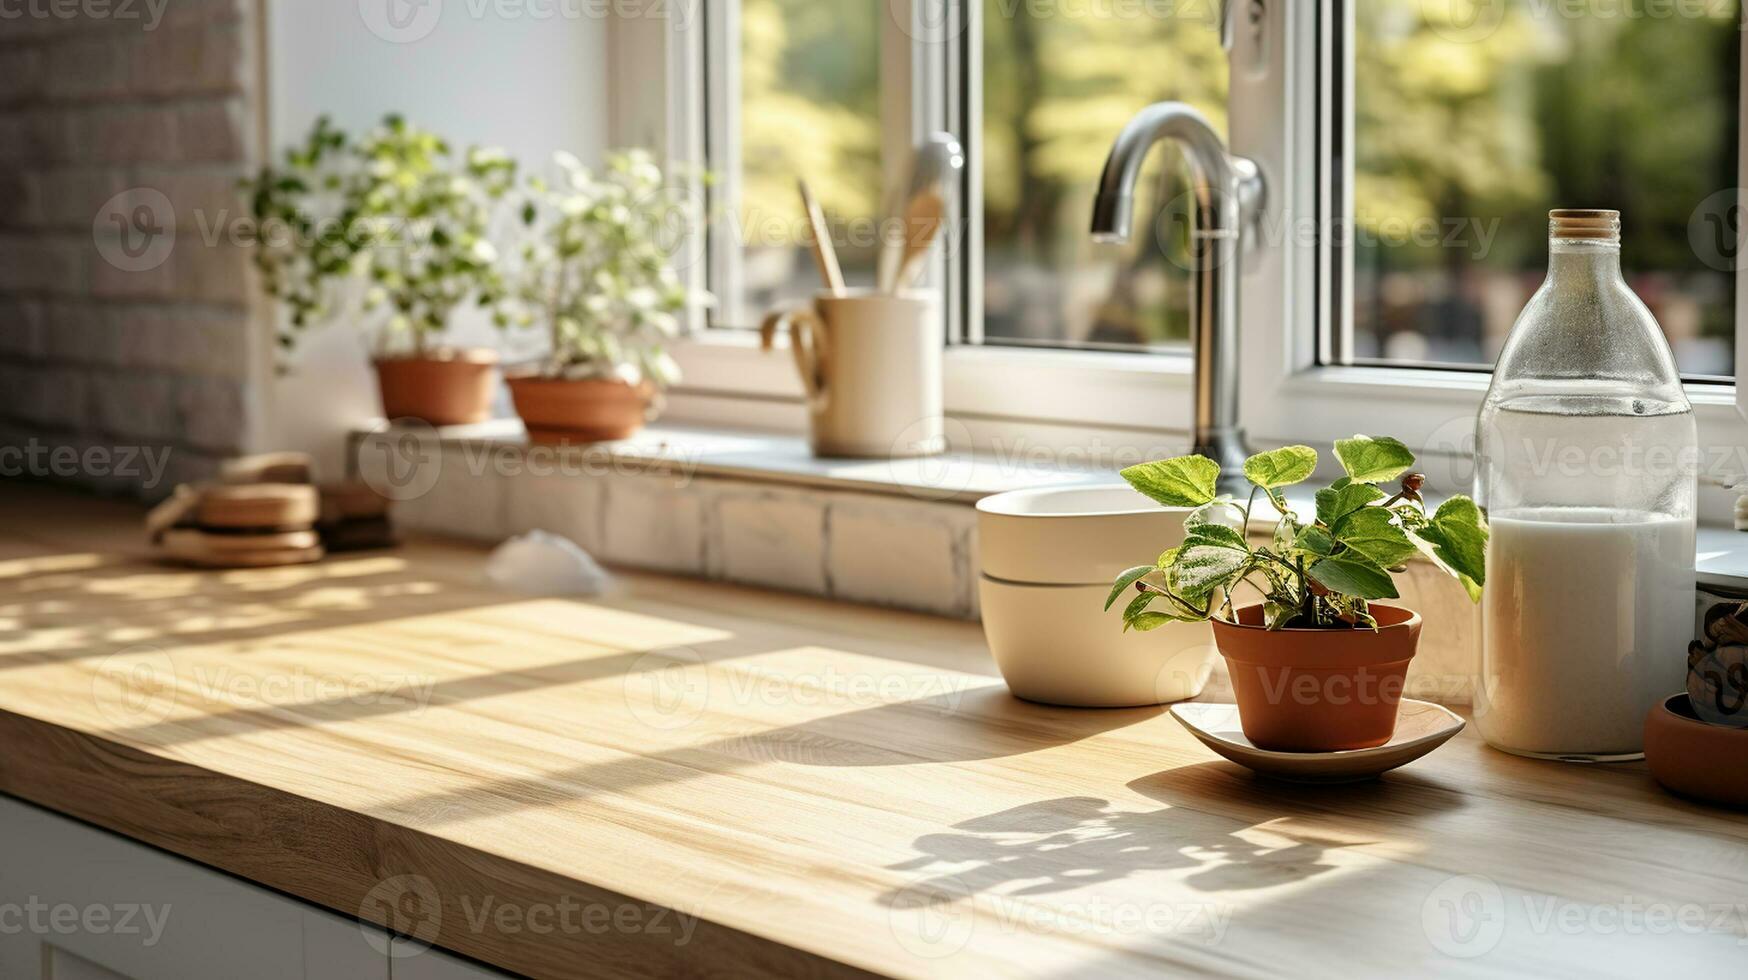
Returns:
point(1206, 832)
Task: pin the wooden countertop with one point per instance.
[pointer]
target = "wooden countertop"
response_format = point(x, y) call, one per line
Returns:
point(789, 785)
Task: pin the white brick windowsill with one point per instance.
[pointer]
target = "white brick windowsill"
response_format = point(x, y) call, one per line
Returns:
point(749, 507)
point(754, 508)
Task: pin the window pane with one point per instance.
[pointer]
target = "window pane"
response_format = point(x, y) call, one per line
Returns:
point(1059, 82)
point(1468, 129)
point(810, 107)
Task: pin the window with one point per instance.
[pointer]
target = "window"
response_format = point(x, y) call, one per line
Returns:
point(1059, 82)
point(1468, 125)
point(1421, 143)
point(808, 105)
point(804, 99)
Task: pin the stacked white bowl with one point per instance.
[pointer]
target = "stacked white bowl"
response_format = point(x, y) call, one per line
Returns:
point(1048, 559)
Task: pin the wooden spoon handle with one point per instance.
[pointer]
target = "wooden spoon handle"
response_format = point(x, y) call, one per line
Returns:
point(825, 255)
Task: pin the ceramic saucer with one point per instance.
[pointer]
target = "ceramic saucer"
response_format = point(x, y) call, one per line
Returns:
point(1421, 726)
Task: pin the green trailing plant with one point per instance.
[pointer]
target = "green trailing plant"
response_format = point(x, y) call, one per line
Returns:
point(1320, 573)
point(302, 242)
point(598, 271)
point(395, 209)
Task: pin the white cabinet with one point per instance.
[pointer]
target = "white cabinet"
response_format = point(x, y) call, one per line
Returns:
point(77, 903)
point(436, 965)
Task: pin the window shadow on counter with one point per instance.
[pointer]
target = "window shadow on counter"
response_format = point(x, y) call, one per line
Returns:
point(978, 724)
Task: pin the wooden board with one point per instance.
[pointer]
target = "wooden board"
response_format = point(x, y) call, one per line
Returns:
point(751, 784)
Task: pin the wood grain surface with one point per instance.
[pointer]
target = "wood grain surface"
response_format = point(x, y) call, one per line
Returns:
point(696, 779)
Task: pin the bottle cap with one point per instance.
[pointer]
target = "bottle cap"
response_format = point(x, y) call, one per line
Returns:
point(1594, 224)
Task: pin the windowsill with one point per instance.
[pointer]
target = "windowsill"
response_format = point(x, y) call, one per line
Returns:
point(956, 478)
point(767, 457)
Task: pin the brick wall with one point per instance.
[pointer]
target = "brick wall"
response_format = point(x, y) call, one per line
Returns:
point(126, 305)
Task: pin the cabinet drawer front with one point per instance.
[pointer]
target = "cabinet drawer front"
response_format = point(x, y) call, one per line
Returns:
point(71, 893)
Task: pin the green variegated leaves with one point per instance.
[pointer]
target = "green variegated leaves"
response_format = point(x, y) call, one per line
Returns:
point(1281, 467)
point(1187, 481)
point(1203, 569)
point(1355, 575)
point(1125, 580)
point(1456, 537)
point(1309, 575)
point(1373, 459)
point(1344, 497)
point(1374, 533)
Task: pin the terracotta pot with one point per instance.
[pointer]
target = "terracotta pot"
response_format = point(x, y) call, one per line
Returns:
point(557, 410)
point(1696, 759)
point(1304, 690)
point(446, 388)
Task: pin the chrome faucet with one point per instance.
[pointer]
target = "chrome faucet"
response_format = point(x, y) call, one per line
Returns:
point(1227, 192)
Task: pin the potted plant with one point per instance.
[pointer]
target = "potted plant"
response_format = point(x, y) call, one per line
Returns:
point(397, 211)
point(1319, 663)
point(598, 278)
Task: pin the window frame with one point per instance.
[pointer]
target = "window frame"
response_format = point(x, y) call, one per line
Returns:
point(1287, 394)
point(999, 397)
point(1122, 400)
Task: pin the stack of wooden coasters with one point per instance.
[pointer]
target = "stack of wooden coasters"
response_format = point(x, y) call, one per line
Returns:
point(265, 511)
point(354, 518)
point(238, 526)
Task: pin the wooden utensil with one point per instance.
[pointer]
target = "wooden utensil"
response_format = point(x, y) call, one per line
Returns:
point(935, 167)
point(825, 255)
point(922, 224)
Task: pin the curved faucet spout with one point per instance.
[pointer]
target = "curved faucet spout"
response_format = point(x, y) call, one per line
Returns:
point(1227, 193)
point(1211, 168)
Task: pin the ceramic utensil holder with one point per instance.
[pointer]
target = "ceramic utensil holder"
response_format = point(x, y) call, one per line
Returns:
point(870, 364)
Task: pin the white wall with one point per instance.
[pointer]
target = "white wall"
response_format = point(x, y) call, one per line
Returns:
point(477, 71)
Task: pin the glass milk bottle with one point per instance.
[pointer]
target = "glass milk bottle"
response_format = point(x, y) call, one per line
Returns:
point(1586, 462)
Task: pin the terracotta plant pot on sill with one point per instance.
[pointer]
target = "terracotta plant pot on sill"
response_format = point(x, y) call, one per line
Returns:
point(1312, 690)
point(557, 411)
point(444, 387)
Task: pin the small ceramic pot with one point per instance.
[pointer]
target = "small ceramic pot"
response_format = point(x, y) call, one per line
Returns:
point(1305, 690)
point(451, 387)
point(1055, 644)
point(1717, 686)
point(1692, 758)
point(560, 410)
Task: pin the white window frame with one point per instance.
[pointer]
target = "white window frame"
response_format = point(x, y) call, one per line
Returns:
point(1125, 403)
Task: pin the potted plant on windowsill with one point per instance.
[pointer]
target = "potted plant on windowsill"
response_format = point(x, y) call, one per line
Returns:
point(397, 212)
point(599, 279)
point(1319, 664)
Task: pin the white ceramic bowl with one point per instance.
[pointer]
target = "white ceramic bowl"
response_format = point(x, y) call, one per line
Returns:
point(1073, 535)
point(1057, 644)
